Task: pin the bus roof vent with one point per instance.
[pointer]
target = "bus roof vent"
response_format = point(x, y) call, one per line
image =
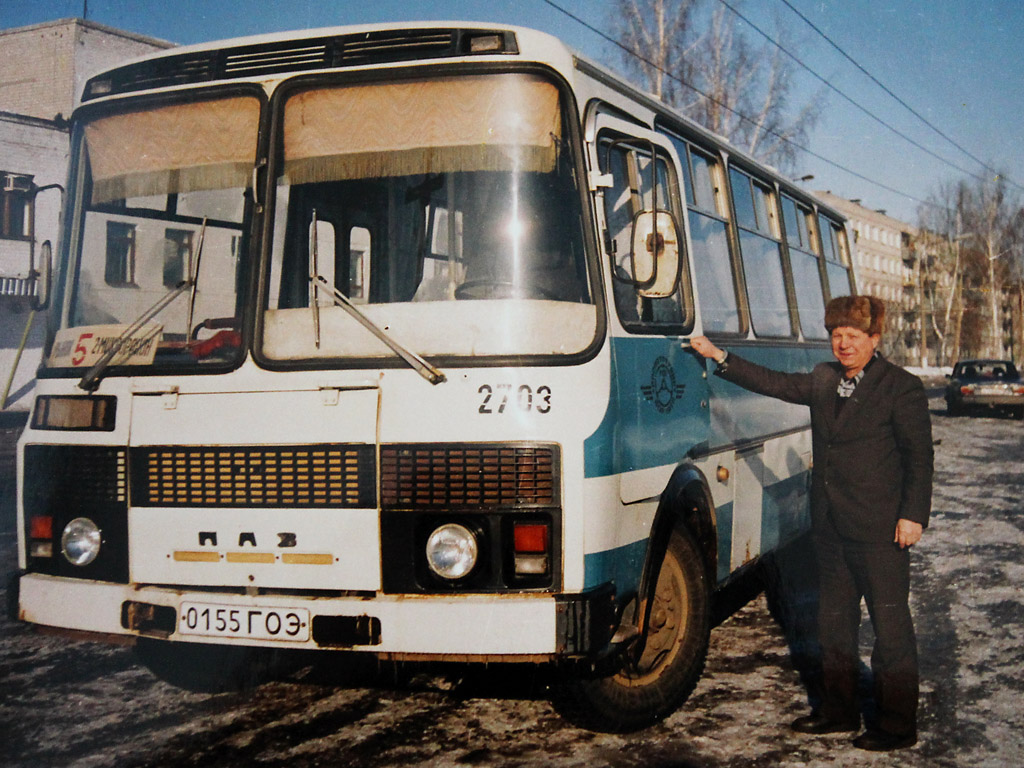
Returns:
point(263, 59)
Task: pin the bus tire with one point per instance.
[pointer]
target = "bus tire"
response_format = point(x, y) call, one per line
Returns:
point(207, 668)
point(635, 695)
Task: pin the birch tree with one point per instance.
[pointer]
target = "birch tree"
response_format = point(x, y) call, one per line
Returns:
point(695, 56)
point(982, 224)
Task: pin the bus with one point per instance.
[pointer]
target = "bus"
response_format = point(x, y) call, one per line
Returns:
point(371, 341)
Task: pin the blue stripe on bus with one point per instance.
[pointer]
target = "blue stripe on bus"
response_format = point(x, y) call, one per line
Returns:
point(657, 405)
point(621, 566)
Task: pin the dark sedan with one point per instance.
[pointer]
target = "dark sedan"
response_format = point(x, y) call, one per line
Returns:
point(992, 384)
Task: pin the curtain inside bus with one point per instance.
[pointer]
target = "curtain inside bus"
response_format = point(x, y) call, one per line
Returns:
point(156, 151)
point(493, 123)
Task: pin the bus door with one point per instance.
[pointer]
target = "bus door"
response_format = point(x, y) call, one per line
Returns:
point(660, 388)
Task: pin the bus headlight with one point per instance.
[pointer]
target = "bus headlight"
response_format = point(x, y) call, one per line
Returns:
point(452, 551)
point(80, 541)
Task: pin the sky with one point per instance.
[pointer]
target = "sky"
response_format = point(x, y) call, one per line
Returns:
point(957, 64)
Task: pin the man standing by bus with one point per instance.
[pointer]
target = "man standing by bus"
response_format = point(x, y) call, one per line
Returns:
point(870, 500)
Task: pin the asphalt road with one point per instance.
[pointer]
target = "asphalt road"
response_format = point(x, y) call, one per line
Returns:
point(66, 703)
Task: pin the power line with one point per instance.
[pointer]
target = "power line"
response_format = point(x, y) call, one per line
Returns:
point(852, 101)
point(725, 106)
point(903, 103)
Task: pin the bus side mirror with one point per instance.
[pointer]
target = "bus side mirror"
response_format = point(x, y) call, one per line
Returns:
point(42, 275)
point(655, 245)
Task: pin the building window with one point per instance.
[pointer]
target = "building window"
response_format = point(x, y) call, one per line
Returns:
point(15, 206)
point(120, 266)
point(177, 256)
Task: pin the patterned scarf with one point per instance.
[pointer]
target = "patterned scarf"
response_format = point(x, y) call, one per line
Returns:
point(846, 386)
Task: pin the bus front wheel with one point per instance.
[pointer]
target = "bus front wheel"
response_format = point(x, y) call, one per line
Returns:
point(637, 693)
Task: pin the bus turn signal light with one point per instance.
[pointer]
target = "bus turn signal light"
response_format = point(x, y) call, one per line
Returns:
point(531, 538)
point(41, 527)
point(530, 541)
point(40, 532)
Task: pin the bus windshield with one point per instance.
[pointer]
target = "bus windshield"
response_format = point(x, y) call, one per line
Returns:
point(158, 206)
point(447, 210)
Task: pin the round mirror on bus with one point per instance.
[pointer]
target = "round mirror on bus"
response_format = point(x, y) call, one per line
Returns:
point(655, 245)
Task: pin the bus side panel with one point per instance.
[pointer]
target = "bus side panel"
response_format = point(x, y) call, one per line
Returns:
point(738, 415)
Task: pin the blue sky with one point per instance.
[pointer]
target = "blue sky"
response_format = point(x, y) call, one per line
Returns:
point(957, 63)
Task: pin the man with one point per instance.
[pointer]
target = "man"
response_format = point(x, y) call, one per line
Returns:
point(870, 500)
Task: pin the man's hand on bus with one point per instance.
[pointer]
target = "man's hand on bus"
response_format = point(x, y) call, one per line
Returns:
point(705, 348)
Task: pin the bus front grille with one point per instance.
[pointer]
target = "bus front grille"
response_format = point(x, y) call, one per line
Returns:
point(462, 475)
point(340, 475)
point(75, 474)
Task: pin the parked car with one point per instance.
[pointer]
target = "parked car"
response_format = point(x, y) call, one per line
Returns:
point(992, 384)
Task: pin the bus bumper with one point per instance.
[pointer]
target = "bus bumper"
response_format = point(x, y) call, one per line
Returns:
point(466, 627)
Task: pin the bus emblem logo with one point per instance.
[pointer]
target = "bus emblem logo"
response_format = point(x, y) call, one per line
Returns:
point(663, 390)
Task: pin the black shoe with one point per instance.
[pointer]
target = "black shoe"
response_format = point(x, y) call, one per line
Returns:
point(818, 724)
point(880, 741)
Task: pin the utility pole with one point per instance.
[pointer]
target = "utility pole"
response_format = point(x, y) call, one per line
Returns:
point(997, 342)
point(920, 303)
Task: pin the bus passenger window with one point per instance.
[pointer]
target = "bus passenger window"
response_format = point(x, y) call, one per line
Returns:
point(833, 241)
point(761, 252)
point(805, 263)
point(712, 265)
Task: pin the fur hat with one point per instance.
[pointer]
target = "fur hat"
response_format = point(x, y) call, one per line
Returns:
point(865, 313)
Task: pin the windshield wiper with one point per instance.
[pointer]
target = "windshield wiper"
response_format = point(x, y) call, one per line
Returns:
point(318, 283)
point(91, 380)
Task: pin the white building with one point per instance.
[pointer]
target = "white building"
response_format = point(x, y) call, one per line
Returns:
point(42, 71)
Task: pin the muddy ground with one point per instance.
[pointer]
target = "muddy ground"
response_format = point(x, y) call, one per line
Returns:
point(66, 703)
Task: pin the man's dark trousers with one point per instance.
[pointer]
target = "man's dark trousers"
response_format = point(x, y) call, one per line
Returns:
point(880, 573)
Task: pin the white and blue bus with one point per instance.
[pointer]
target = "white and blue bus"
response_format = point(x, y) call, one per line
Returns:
point(372, 340)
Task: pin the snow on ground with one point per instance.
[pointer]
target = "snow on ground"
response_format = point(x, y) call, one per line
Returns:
point(83, 704)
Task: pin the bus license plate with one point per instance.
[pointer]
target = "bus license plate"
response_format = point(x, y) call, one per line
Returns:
point(211, 620)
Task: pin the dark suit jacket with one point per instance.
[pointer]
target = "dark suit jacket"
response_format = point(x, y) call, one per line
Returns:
point(873, 463)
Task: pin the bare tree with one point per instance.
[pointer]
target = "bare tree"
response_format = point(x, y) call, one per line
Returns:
point(696, 57)
point(658, 34)
point(991, 216)
point(941, 233)
point(981, 228)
